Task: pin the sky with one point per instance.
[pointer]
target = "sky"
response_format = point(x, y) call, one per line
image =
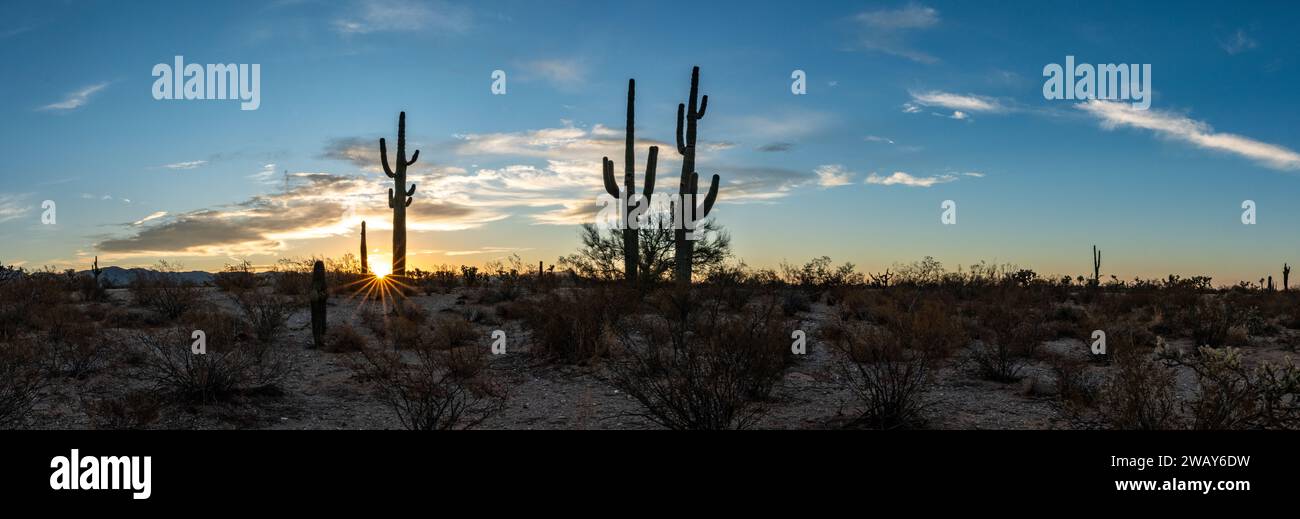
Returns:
point(906, 105)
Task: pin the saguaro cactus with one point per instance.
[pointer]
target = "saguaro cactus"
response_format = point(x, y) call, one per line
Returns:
point(365, 262)
point(1286, 277)
point(96, 271)
point(688, 115)
point(319, 296)
point(395, 198)
point(631, 245)
point(1096, 266)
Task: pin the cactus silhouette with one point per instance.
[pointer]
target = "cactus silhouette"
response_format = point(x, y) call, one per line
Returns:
point(1096, 266)
point(688, 115)
point(94, 269)
point(401, 199)
point(365, 262)
point(631, 245)
point(1286, 277)
point(319, 296)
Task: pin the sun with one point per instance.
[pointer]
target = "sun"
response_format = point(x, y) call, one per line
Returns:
point(381, 270)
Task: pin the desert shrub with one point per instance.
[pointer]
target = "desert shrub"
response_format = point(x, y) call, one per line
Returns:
point(266, 314)
point(1214, 322)
point(79, 349)
point(888, 368)
point(575, 328)
point(21, 379)
point(1231, 395)
point(1078, 386)
point(24, 297)
point(691, 366)
point(227, 368)
point(453, 332)
point(794, 301)
point(1008, 336)
point(439, 391)
point(343, 338)
point(1140, 393)
point(134, 410)
point(238, 277)
point(163, 291)
point(90, 288)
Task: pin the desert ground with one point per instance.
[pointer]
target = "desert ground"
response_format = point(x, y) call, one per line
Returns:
point(931, 351)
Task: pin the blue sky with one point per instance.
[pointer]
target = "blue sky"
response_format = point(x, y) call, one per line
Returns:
point(947, 93)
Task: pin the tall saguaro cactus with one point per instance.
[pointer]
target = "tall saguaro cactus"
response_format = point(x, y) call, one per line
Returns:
point(631, 245)
point(688, 115)
point(1286, 277)
point(1096, 266)
point(395, 198)
point(365, 262)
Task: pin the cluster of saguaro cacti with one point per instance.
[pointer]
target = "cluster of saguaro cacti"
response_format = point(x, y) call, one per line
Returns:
point(1096, 266)
point(1286, 277)
point(365, 262)
point(319, 296)
point(631, 245)
point(688, 115)
point(401, 199)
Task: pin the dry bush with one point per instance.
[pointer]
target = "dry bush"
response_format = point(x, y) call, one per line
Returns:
point(574, 328)
point(441, 390)
point(1213, 321)
point(80, 350)
point(266, 314)
point(403, 333)
point(888, 368)
point(134, 410)
point(1078, 385)
point(453, 332)
point(21, 379)
point(1140, 393)
point(162, 291)
point(90, 289)
point(1007, 337)
point(1231, 395)
point(231, 365)
point(238, 277)
point(343, 338)
point(24, 297)
point(692, 366)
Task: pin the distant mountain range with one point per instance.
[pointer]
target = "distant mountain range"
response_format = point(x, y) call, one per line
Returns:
point(118, 276)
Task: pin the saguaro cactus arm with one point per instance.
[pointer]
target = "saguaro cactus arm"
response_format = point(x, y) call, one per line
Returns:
point(607, 171)
point(650, 164)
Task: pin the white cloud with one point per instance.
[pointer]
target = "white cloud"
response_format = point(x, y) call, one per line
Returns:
point(959, 115)
point(1174, 126)
point(973, 174)
point(388, 16)
point(1237, 43)
point(905, 179)
point(833, 175)
point(564, 73)
point(873, 138)
point(192, 164)
point(153, 216)
point(886, 30)
point(958, 102)
point(76, 99)
point(12, 207)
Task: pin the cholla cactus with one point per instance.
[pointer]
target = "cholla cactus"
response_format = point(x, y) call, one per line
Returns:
point(401, 199)
point(631, 245)
point(688, 116)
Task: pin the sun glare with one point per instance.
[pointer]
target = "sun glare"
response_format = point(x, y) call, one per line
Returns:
point(381, 270)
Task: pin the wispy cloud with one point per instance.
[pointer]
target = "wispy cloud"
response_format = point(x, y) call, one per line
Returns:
point(153, 216)
point(873, 138)
point(560, 72)
point(319, 205)
point(776, 147)
point(833, 175)
point(1200, 134)
point(886, 30)
point(901, 178)
point(367, 16)
point(75, 99)
point(959, 102)
point(1237, 43)
point(13, 207)
point(192, 164)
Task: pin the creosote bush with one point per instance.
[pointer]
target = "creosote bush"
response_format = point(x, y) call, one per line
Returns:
point(690, 365)
point(440, 390)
